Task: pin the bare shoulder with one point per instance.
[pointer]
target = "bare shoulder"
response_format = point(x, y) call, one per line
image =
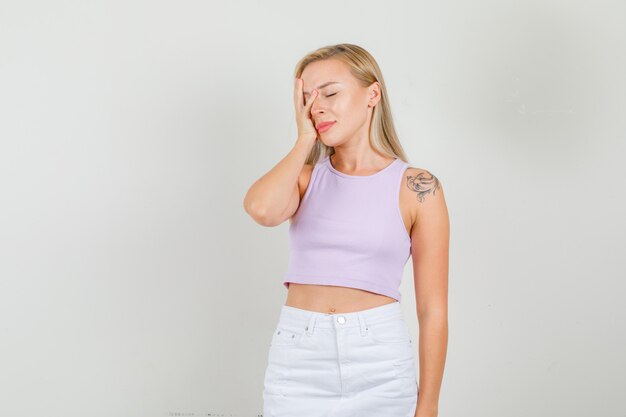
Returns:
point(422, 184)
point(422, 194)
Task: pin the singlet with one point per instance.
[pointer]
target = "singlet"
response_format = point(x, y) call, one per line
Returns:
point(348, 231)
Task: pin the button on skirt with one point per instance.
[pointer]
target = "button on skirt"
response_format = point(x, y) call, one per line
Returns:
point(357, 364)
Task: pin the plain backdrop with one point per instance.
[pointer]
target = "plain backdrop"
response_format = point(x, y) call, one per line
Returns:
point(133, 283)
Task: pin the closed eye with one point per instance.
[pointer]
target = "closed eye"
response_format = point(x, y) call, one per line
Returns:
point(331, 94)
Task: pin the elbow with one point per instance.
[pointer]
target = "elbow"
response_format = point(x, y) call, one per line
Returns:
point(259, 214)
point(262, 218)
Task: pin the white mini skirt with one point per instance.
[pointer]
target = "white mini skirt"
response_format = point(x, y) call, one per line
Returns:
point(357, 364)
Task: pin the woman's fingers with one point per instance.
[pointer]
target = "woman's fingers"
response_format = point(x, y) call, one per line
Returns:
point(312, 98)
point(303, 109)
point(298, 96)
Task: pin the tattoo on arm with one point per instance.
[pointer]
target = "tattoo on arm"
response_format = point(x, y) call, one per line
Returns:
point(423, 183)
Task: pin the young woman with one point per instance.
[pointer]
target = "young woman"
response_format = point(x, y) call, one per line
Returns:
point(357, 212)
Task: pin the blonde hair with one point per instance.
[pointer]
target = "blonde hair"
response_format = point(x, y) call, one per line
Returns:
point(383, 137)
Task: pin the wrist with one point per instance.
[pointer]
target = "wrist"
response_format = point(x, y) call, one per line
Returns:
point(307, 138)
point(306, 142)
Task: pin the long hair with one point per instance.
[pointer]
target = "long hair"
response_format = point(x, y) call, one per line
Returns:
point(382, 133)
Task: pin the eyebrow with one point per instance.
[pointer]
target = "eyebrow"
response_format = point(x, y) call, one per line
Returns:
point(322, 86)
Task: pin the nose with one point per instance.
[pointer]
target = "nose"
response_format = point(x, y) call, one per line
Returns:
point(317, 106)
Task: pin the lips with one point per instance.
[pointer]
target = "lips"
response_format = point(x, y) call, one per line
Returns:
point(322, 125)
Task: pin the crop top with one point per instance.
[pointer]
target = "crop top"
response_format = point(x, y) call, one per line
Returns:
point(348, 231)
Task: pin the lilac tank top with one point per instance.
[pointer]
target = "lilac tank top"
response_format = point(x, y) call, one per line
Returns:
point(348, 231)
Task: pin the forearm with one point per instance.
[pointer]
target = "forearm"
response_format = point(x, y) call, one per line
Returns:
point(269, 196)
point(433, 342)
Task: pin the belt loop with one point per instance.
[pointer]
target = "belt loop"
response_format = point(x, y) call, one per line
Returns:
point(311, 326)
point(362, 324)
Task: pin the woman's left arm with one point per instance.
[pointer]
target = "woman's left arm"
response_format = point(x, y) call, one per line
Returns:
point(430, 235)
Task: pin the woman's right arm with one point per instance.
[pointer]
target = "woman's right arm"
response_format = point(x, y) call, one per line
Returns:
point(275, 196)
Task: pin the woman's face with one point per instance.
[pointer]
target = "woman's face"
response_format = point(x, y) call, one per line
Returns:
point(340, 99)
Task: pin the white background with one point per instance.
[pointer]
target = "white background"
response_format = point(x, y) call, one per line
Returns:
point(133, 283)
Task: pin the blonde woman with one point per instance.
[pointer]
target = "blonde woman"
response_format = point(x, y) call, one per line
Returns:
point(357, 212)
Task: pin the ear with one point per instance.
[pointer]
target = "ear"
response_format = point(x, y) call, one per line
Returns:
point(374, 96)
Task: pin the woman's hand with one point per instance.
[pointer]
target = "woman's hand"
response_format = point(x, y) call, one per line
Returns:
point(306, 128)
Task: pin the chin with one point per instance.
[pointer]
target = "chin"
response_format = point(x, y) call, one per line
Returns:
point(331, 142)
